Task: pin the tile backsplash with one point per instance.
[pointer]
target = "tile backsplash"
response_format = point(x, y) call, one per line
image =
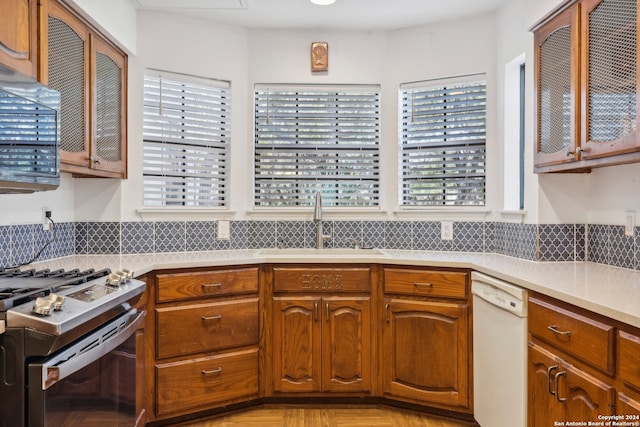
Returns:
point(540, 242)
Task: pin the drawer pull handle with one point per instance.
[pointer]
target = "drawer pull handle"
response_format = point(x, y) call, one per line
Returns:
point(213, 371)
point(211, 285)
point(315, 311)
point(327, 309)
point(551, 368)
point(554, 329)
point(386, 313)
point(216, 317)
point(426, 285)
point(558, 398)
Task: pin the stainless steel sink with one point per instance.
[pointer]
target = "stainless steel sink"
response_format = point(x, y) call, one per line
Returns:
point(322, 253)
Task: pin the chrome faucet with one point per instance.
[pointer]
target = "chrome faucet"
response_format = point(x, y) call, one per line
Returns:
point(317, 218)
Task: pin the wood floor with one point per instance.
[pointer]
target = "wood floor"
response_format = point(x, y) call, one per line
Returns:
point(295, 416)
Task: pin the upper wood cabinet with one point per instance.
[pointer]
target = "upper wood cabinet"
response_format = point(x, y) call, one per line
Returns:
point(20, 25)
point(91, 75)
point(586, 86)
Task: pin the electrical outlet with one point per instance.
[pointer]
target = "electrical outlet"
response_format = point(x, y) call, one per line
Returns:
point(446, 230)
point(224, 230)
point(46, 214)
point(629, 223)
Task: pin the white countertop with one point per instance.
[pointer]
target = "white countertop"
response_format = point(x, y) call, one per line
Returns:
point(611, 291)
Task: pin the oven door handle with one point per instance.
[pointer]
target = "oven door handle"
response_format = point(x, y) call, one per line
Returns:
point(58, 368)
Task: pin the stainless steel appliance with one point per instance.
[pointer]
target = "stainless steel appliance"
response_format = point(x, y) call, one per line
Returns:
point(68, 348)
point(499, 352)
point(29, 134)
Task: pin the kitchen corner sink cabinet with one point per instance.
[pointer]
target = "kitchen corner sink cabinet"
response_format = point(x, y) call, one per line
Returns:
point(321, 322)
point(226, 337)
point(582, 366)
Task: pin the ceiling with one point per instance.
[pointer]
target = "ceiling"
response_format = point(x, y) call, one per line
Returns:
point(342, 15)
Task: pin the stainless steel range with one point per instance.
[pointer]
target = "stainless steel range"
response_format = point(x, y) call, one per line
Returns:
point(68, 348)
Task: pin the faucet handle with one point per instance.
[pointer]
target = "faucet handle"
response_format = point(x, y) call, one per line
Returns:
point(356, 243)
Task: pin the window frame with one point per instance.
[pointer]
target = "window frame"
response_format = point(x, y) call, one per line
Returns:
point(208, 125)
point(405, 111)
point(331, 190)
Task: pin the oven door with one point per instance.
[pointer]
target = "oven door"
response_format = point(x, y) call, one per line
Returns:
point(90, 383)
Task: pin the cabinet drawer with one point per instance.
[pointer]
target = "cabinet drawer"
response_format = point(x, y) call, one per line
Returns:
point(184, 286)
point(205, 327)
point(206, 382)
point(583, 337)
point(322, 279)
point(629, 358)
point(445, 284)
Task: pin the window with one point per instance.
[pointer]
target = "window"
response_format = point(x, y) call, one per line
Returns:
point(442, 142)
point(514, 134)
point(317, 138)
point(186, 135)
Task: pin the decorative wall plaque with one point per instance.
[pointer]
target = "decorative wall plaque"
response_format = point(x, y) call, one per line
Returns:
point(319, 56)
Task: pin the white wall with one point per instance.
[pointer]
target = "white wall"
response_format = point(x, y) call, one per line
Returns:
point(244, 57)
point(269, 56)
point(115, 18)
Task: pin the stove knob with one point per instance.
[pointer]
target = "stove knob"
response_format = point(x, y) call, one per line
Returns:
point(43, 306)
point(114, 279)
point(129, 274)
point(57, 300)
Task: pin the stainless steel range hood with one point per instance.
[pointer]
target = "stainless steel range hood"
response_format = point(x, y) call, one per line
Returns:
point(29, 134)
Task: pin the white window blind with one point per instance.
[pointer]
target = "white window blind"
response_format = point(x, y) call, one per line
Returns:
point(317, 138)
point(442, 142)
point(186, 140)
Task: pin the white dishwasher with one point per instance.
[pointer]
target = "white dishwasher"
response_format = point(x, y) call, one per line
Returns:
point(499, 352)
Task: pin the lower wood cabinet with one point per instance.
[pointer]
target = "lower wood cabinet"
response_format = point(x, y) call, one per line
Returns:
point(559, 391)
point(582, 366)
point(203, 332)
point(322, 344)
point(206, 381)
point(426, 352)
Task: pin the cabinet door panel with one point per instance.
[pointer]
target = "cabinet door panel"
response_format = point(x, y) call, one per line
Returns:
point(556, 74)
point(19, 35)
point(297, 344)
point(610, 77)
point(346, 344)
point(109, 121)
point(68, 73)
point(427, 352)
point(544, 409)
point(587, 397)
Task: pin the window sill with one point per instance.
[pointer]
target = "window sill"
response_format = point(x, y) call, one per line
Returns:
point(328, 213)
point(178, 214)
point(449, 214)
